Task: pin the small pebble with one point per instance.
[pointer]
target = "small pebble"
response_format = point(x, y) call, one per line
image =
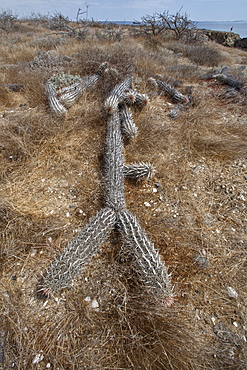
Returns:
point(232, 292)
point(39, 357)
point(146, 204)
point(94, 303)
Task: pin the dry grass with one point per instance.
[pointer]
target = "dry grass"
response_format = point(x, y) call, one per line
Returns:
point(194, 209)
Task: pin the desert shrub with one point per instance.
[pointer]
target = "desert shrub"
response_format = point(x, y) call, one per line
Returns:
point(199, 54)
point(58, 22)
point(190, 71)
point(204, 55)
point(157, 23)
point(38, 18)
point(48, 42)
point(114, 35)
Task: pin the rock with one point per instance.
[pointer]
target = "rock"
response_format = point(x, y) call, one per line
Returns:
point(224, 38)
point(232, 292)
point(13, 87)
point(201, 261)
point(242, 43)
point(225, 334)
point(95, 303)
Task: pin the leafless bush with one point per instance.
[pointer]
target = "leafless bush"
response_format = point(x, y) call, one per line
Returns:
point(7, 20)
point(151, 25)
point(178, 23)
point(58, 22)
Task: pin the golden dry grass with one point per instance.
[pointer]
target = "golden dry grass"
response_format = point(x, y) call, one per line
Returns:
point(194, 209)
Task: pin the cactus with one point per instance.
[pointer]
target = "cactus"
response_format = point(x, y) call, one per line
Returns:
point(128, 127)
point(114, 177)
point(141, 99)
point(229, 80)
point(61, 273)
point(152, 270)
point(67, 95)
point(54, 103)
point(172, 93)
point(116, 94)
point(133, 97)
point(138, 171)
point(82, 247)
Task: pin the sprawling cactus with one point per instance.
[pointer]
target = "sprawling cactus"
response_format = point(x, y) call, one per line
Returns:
point(172, 93)
point(61, 273)
point(114, 177)
point(229, 80)
point(78, 252)
point(68, 95)
point(152, 269)
point(128, 127)
point(54, 103)
point(138, 171)
point(116, 94)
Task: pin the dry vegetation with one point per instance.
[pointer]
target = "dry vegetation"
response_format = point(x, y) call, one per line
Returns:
point(194, 208)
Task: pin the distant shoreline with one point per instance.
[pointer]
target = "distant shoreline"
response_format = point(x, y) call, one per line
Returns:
point(239, 27)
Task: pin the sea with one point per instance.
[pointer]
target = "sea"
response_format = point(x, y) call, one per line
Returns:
point(239, 27)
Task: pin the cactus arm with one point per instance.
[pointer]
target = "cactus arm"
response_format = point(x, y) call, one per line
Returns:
point(153, 271)
point(128, 127)
point(55, 105)
point(138, 171)
point(61, 273)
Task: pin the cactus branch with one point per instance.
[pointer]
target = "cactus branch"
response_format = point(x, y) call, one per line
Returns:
point(172, 93)
point(152, 269)
point(114, 177)
point(128, 127)
point(82, 247)
point(68, 95)
point(116, 94)
point(138, 171)
point(54, 103)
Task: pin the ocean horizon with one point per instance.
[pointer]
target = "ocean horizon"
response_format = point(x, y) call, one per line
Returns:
point(239, 27)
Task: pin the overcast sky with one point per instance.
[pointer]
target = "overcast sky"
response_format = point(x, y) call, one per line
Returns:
point(198, 10)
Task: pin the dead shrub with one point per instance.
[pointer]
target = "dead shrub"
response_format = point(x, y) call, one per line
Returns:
point(199, 54)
